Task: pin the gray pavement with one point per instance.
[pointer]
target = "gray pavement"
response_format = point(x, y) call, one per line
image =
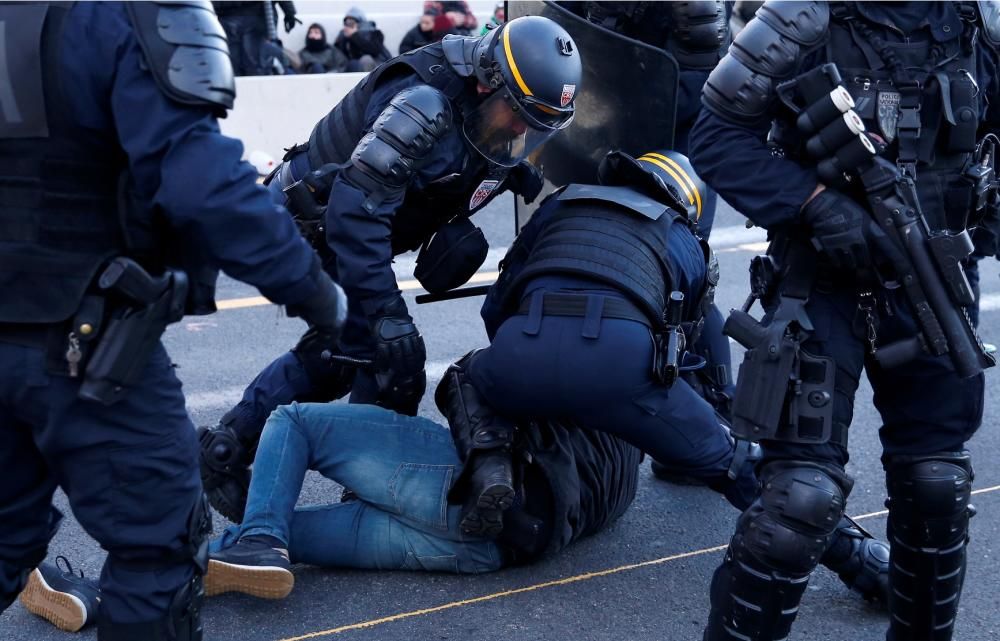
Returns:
point(669, 526)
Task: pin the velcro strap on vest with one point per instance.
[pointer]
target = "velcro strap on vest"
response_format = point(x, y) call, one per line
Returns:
point(576, 305)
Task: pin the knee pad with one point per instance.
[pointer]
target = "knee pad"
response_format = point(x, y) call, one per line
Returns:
point(791, 523)
point(474, 424)
point(929, 498)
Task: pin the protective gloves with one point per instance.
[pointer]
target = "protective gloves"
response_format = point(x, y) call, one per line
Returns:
point(525, 180)
point(399, 358)
point(842, 229)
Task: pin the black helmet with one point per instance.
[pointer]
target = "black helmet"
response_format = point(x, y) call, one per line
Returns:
point(533, 69)
point(666, 175)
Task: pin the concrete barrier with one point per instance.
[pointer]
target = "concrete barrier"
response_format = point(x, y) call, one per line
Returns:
point(274, 112)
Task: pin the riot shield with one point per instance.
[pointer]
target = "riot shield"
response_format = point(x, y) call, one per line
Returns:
point(627, 101)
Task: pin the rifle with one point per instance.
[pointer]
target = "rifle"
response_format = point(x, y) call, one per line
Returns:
point(926, 264)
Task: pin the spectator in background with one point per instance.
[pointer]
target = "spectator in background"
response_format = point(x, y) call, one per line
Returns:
point(361, 42)
point(461, 16)
point(424, 33)
point(499, 15)
point(246, 27)
point(318, 56)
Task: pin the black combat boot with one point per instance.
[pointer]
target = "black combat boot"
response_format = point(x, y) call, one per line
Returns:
point(860, 560)
point(489, 492)
point(225, 470)
point(483, 441)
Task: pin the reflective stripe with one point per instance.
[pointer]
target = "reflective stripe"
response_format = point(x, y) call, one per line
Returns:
point(694, 198)
point(512, 64)
point(687, 179)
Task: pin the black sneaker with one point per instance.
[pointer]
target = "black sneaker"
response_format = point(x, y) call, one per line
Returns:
point(256, 565)
point(62, 597)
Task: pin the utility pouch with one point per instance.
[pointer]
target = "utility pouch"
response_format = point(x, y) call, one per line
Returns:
point(146, 305)
point(307, 212)
point(963, 119)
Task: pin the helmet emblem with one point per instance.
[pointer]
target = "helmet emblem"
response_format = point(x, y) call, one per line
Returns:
point(568, 92)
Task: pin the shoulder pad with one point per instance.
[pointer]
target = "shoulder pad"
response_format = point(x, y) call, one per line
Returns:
point(400, 141)
point(700, 33)
point(804, 22)
point(620, 196)
point(186, 51)
point(767, 51)
point(989, 17)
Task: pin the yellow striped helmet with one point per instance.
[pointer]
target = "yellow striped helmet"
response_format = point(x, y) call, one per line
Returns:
point(675, 170)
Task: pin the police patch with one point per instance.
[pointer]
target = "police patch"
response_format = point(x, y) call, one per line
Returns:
point(888, 113)
point(482, 192)
point(567, 95)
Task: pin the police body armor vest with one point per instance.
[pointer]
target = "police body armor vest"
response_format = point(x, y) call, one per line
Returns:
point(58, 196)
point(334, 138)
point(602, 239)
point(949, 107)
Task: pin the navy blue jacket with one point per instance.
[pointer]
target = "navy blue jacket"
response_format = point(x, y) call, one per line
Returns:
point(179, 160)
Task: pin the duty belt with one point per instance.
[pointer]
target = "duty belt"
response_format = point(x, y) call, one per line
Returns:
point(581, 305)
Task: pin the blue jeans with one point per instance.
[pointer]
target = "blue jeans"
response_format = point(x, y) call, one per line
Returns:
point(401, 468)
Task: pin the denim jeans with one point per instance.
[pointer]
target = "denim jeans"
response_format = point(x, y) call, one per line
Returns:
point(401, 468)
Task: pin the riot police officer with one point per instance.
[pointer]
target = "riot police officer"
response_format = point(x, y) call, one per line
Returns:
point(121, 200)
point(589, 321)
point(425, 141)
point(917, 75)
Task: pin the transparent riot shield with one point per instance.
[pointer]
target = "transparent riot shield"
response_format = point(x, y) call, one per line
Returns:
point(627, 101)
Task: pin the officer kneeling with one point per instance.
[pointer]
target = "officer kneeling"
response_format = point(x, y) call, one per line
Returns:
point(591, 320)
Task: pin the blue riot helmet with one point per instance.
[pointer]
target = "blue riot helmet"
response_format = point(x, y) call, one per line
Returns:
point(532, 70)
point(665, 174)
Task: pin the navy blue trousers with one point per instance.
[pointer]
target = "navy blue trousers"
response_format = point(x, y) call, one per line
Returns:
point(130, 472)
point(598, 373)
point(925, 407)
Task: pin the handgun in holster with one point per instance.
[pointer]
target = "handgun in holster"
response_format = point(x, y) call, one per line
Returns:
point(671, 342)
point(141, 308)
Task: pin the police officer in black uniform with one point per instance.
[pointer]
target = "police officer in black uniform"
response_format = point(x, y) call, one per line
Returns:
point(589, 322)
point(919, 75)
point(425, 141)
point(120, 201)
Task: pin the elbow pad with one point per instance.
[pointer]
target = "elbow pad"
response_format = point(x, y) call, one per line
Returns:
point(399, 143)
point(768, 51)
point(699, 33)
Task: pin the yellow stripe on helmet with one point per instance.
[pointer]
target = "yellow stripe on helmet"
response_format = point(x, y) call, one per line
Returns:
point(692, 194)
point(512, 64)
point(686, 178)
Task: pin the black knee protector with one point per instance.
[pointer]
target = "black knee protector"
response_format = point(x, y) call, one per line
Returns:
point(779, 540)
point(928, 530)
point(330, 379)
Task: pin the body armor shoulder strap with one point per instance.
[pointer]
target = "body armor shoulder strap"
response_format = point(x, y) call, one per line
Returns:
point(621, 196)
point(989, 19)
point(185, 49)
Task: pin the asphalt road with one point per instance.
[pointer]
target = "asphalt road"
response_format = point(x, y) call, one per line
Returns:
point(644, 578)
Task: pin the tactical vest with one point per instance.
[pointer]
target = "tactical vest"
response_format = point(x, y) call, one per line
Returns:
point(334, 138)
point(58, 194)
point(933, 81)
point(610, 243)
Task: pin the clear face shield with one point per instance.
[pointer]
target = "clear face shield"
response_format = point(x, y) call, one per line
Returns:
point(506, 131)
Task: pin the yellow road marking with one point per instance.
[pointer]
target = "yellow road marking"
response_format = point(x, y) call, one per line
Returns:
point(547, 584)
point(404, 285)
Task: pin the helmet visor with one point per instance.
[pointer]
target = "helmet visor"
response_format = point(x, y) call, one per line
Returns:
point(506, 131)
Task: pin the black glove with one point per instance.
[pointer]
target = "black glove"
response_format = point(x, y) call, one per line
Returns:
point(526, 181)
point(326, 310)
point(290, 22)
point(399, 358)
point(842, 229)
